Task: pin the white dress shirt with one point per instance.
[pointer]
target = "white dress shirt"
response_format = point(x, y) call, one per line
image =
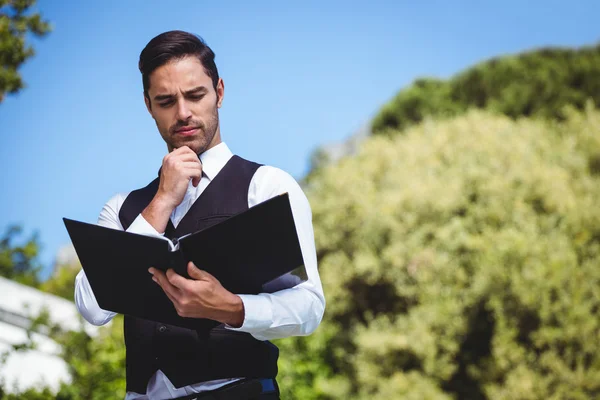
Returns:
point(291, 312)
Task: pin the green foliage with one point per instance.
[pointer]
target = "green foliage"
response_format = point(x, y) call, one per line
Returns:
point(459, 261)
point(29, 394)
point(304, 371)
point(15, 23)
point(96, 363)
point(62, 282)
point(537, 84)
point(19, 262)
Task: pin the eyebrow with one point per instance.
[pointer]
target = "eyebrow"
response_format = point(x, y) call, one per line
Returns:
point(196, 90)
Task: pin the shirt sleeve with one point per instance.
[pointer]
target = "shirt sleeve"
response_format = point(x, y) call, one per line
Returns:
point(84, 296)
point(296, 311)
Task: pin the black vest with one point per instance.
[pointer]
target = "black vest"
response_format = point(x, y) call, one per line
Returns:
point(184, 355)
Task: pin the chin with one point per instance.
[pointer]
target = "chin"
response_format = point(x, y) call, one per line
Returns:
point(192, 144)
point(198, 148)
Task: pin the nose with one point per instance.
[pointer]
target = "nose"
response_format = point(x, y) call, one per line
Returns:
point(183, 111)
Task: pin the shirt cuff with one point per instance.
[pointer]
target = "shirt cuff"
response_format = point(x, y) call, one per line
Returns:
point(258, 313)
point(143, 227)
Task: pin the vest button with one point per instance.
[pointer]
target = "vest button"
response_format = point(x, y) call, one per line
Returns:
point(162, 329)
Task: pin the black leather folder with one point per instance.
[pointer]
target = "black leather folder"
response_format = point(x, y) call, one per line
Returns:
point(256, 251)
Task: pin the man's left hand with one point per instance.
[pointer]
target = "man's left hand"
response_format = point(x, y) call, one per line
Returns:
point(203, 296)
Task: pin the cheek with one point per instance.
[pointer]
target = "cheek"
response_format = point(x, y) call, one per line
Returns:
point(207, 109)
point(163, 121)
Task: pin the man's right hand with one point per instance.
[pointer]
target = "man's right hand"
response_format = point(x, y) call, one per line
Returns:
point(178, 167)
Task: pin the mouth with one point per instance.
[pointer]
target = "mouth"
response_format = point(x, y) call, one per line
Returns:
point(186, 131)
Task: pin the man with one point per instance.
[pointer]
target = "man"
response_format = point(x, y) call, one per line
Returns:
point(200, 183)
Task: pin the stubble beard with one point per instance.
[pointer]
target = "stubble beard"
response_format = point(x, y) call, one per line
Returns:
point(200, 142)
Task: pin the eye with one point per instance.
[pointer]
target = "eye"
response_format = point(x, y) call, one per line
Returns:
point(165, 104)
point(196, 97)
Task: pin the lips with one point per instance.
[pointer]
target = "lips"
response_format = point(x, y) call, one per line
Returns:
point(186, 131)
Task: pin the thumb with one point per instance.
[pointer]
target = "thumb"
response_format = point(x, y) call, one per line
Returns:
point(195, 272)
point(195, 182)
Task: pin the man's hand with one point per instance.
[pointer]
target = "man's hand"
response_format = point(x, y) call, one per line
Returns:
point(178, 167)
point(203, 296)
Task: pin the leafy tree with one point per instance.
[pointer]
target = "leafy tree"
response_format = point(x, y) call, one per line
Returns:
point(95, 362)
point(29, 394)
point(15, 24)
point(459, 261)
point(19, 262)
point(533, 84)
point(62, 281)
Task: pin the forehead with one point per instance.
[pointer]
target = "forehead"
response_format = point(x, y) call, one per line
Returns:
point(182, 74)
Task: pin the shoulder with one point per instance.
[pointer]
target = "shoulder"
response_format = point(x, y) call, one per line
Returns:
point(109, 215)
point(118, 199)
point(269, 182)
point(274, 180)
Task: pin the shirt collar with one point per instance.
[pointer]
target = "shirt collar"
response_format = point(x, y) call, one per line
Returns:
point(214, 159)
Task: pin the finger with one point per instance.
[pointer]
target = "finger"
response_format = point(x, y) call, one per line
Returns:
point(176, 152)
point(181, 149)
point(192, 173)
point(173, 300)
point(176, 163)
point(191, 165)
point(184, 150)
point(187, 157)
point(181, 165)
point(155, 272)
point(173, 292)
point(158, 277)
point(198, 274)
point(187, 149)
point(177, 157)
point(176, 280)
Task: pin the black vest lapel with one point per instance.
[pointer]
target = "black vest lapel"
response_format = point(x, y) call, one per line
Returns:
point(211, 204)
point(136, 202)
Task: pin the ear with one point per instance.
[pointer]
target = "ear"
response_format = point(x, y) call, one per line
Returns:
point(220, 92)
point(148, 105)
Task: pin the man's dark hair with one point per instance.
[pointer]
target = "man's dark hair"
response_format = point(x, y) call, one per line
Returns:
point(175, 45)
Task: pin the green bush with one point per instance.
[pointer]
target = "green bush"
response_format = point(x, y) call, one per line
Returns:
point(96, 364)
point(538, 84)
point(19, 261)
point(460, 260)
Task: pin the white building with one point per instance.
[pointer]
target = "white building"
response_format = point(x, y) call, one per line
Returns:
point(19, 304)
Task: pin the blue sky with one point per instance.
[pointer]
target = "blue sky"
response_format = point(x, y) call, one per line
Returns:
point(298, 74)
